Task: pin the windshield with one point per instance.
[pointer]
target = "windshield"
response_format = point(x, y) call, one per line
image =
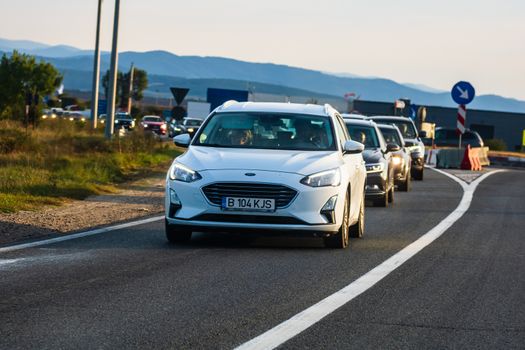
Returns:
point(391, 136)
point(406, 127)
point(192, 122)
point(268, 131)
point(123, 116)
point(365, 134)
point(152, 119)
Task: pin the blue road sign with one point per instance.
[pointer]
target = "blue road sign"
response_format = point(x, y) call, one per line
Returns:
point(463, 93)
point(102, 107)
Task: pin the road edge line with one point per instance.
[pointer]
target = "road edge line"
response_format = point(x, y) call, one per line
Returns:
point(288, 329)
point(78, 235)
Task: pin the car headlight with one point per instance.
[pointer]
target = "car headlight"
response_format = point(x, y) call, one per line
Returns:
point(397, 160)
point(177, 129)
point(375, 168)
point(182, 173)
point(324, 178)
point(190, 130)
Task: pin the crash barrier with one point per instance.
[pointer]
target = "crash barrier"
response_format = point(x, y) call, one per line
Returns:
point(503, 160)
point(449, 158)
point(471, 159)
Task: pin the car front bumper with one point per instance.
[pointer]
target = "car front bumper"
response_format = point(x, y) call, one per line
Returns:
point(301, 215)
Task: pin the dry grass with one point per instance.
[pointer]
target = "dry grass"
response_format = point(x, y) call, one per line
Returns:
point(63, 160)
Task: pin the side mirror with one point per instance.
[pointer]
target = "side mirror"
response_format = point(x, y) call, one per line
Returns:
point(392, 147)
point(353, 147)
point(422, 133)
point(409, 143)
point(182, 140)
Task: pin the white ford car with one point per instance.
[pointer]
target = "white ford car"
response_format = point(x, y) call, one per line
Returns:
point(271, 167)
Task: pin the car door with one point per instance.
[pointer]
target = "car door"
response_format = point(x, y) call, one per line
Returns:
point(355, 165)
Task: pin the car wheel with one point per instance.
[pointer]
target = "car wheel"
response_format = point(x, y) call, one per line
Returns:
point(383, 201)
point(340, 239)
point(405, 186)
point(358, 229)
point(391, 195)
point(418, 175)
point(176, 235)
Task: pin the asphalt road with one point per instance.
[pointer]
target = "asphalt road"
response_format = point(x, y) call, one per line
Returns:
point(130, 289)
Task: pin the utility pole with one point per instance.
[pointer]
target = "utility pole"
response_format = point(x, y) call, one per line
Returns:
point(96, 71)
point(110, 117)
point(131, 75)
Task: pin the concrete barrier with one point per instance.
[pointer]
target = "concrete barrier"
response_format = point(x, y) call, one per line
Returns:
point(450, 158)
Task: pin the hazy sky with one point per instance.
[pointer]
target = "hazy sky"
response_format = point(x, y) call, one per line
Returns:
point(432, 42)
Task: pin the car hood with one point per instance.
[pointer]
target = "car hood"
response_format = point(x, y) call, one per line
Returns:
point(298, 162)
point(372, 156)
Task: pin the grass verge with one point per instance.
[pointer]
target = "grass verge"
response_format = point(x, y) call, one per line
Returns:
point(61, 160)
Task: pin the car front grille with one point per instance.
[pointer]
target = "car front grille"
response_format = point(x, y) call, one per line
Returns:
point(282, 194)
point(250, 219)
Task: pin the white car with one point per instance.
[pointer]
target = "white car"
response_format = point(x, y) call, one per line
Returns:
point(279, 167)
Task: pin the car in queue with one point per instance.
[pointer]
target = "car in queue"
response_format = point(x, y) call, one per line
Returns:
point(122, 120)
point(154, 124)
point(378, 158)
point(401, 159)
point(188, 126)
point(413, 141)
point(268, 167)
point(448, 137)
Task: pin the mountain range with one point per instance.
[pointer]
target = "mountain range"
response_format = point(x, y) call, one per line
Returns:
point(167, 69)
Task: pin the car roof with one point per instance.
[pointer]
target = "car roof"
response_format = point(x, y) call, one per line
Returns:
point(277, 107)
point(390, 117)
point(362, 122)
point(386, 126)
point(353, 116)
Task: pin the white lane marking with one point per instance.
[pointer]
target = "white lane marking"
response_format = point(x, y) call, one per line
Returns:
point(305, 319)
point(79, 235)
point(8, 261)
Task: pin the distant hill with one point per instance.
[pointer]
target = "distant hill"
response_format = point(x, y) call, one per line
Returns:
point(192, 68)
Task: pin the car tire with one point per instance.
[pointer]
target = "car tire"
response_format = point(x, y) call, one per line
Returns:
point(418, 175)
point(405, 186)
point(391, 195)
point(340, 239)
point(176, 235)
point(357, 230)
point(383, 201)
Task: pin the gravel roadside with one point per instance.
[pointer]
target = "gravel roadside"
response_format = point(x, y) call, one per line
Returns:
point(137, 199)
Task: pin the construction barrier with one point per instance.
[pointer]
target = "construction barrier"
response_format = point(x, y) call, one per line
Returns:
point(471, 159)
point(483, 154)
point(431, 157)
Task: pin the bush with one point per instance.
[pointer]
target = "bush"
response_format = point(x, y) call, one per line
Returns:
point(496, 145)
point(12, 140)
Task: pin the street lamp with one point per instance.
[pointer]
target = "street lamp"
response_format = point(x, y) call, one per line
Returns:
point(96, 71)
point(110, 116)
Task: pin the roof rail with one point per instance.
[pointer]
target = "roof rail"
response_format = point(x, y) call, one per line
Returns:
point(227, 104)
point(328, 109)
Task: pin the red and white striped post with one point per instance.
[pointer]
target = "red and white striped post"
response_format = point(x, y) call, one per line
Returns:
point(460, 125)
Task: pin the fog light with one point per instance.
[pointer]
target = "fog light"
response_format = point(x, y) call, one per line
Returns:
point(328, 210)
point(174, 199)
point(175, 203)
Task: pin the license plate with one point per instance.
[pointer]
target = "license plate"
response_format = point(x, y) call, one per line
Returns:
point(248, 204)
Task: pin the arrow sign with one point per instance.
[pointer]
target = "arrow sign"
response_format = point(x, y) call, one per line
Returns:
point(463, 93)
point(179, 94)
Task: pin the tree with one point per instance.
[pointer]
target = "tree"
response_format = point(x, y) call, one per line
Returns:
point(140, 83)
point(21, 75)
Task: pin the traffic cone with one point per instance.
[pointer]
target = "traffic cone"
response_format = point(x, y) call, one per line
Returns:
point(466, 164)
